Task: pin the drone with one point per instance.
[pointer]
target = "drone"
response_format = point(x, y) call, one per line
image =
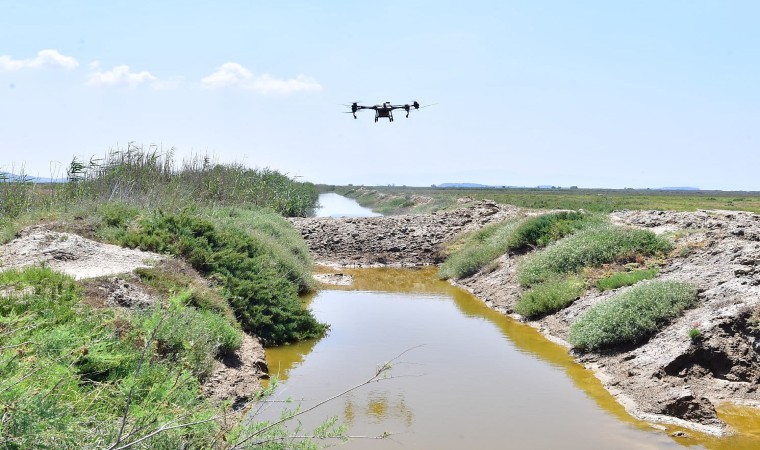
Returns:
point(385, 109)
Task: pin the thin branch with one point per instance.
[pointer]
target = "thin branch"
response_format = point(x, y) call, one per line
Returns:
point(14, 346)
point(162, 429)
point(382, 369)
point(148, 344)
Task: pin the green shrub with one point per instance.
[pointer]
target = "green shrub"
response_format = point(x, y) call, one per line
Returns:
point(631, 315)
point(621, 279)
point(478, 249)
point(117, 214)
point(549, 296)
point(492, 241)
point(590, 248)
point(189, 336)
point(265, 301)
point(168, 279)
point(540, 231)
point(695, 335)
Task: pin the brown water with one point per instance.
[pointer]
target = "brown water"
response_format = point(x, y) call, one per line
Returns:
point(470, 377)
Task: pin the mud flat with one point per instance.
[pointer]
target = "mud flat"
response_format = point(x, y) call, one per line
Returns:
point(668, 379)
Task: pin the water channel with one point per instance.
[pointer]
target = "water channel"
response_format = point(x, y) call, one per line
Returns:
point(463, 376)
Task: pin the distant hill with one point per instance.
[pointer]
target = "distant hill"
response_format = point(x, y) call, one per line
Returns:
point(463, 185)
point(679, 188)
point(7, 176)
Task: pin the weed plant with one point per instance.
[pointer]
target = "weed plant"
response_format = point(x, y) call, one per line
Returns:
point(591, 247)
point(621, 279)
point(549, 296)
point(631, 315)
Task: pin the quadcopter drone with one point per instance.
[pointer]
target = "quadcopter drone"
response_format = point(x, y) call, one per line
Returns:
point(384, 109)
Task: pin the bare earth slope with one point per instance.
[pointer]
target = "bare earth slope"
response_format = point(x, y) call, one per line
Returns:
point(406, 240)
point(669, 378)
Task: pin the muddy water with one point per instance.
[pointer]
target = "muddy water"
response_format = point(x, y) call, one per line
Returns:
point(467, 377)
point(334, 205)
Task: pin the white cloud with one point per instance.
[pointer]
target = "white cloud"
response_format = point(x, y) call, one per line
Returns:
point(44, 58)
point(232, 74)
point(120, 75)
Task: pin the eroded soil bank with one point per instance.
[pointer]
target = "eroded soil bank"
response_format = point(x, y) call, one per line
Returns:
point(670, 378)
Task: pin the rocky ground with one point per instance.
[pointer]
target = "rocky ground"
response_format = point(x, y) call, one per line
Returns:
point(398, 241)
point(106, 274)
point(670, 378)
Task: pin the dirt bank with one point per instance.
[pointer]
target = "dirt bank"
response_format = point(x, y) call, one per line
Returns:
point(670, 378)
point(108, 280)
point(399, 241)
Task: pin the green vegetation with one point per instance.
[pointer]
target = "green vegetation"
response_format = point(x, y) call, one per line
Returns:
point(477, 250)
point(256, 284)
point(65, 368)
point(540, 231)
point(621, 279)
point(549, 296)
point(77, 374)
point(593, 200)
point(590, 248)
point(490, 242)
point(632, 315)
point(695, 335)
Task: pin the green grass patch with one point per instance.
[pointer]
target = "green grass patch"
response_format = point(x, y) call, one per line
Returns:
point(477, 250)
point(621, 279)
point(591, 247)
point(632, 315)
point(549, 296)
point(492, 241)
point(66, 371)
point(540, 231)
point(593, 200)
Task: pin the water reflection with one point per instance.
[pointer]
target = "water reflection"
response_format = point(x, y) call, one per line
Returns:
point(334, 205)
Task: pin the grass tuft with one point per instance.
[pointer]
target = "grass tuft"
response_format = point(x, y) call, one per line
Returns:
point(591, 247)
point(632, 315)
point(549, 296)
point(621, 279)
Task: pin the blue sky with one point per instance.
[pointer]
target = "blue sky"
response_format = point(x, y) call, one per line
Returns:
point(588, 93)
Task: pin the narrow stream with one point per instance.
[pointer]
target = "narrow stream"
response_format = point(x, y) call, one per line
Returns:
point(463, 376)
point(334, 205)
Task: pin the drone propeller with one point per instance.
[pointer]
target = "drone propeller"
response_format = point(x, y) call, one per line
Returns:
point(418, 106)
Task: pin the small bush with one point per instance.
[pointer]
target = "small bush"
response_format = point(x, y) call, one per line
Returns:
point(169, 279)
point(117, 214)
point(189, 336)
point(695, 335)
point(621, 279)
point(632, 315)
point(549, 296)
point(265, 301)
point(590, 248)
point(477, 250)
point(542, 230)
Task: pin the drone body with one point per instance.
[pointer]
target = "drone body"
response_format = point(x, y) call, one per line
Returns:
point(384, 110)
